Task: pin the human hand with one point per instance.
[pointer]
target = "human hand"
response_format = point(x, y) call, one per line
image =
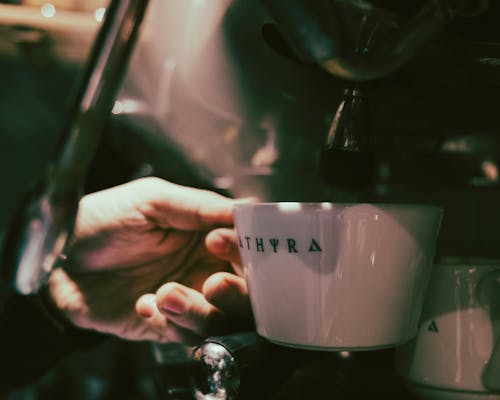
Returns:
point(222, 305)
point(131, 239)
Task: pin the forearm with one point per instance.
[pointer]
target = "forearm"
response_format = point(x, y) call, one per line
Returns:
point(33, 339)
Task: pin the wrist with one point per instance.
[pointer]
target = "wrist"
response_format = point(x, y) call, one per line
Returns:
point(63, 304)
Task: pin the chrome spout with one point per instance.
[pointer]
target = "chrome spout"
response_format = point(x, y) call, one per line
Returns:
point(357, 40)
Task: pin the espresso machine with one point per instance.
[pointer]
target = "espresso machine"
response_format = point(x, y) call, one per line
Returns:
point(311, 100)
point(325, 100)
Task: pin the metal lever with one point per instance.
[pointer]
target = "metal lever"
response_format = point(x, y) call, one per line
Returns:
point(45, 218)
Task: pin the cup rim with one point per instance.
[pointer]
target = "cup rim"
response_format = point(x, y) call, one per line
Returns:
point(330, 205)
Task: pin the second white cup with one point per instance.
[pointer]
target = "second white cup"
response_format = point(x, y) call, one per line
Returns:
point(457, 349)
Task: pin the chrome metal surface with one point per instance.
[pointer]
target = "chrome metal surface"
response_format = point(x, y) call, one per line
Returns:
point(45, 219)
point(220, 374)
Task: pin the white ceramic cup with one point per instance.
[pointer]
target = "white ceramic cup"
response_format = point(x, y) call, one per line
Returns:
point(337, 276)
point(457, 349)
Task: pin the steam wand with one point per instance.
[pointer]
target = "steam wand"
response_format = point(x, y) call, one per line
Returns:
point(44, 220)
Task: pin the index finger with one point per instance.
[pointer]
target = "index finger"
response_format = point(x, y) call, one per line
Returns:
point(186, 208)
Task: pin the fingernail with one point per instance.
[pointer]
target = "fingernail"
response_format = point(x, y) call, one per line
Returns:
point(145, 313)
point(221, 245)
point(175, 302)
point(221, 293)
point(146, 306)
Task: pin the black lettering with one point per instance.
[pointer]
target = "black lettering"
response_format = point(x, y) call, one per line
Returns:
point(274, 243)
point(291, 246)
point(247, 238)
point(433, 327)
point(314, 246)
point(241, 243)
point(259, 243)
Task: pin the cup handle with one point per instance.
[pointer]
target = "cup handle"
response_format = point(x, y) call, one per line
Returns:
point(488, 293)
